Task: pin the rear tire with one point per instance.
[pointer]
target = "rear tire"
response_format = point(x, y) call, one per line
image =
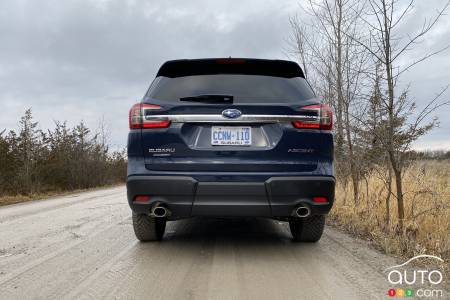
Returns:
point(307, 229)
point(148, 228)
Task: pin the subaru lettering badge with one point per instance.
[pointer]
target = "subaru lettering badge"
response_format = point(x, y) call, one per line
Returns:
point(231, 113)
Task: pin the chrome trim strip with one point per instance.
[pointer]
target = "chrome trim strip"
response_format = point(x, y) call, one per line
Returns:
point(221, 119)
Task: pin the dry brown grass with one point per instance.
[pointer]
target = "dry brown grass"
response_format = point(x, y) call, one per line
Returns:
point(427, 211)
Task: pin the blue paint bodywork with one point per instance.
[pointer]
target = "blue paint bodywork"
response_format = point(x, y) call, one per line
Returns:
point(178, 167)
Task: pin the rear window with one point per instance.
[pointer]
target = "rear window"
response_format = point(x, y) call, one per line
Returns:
point(243, 88)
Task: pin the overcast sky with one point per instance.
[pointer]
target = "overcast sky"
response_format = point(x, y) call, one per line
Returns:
point(88, 60)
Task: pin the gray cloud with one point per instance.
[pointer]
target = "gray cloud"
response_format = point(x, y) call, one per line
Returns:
point(84, 60)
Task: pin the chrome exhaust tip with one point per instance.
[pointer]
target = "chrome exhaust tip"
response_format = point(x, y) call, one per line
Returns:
point(159, 212)
point(302, 211)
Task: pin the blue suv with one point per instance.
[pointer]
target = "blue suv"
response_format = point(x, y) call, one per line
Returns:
point(230, 137)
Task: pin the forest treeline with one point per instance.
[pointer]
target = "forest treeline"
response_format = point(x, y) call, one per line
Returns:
point(34, 161)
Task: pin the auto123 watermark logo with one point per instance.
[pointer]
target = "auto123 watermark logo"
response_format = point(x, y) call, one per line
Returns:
point(423, 282)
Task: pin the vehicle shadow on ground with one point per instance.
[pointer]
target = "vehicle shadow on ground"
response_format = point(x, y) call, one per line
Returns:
point(233, 231)
point(227, 228)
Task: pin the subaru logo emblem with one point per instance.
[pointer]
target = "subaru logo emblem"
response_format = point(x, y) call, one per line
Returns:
point(231, 113)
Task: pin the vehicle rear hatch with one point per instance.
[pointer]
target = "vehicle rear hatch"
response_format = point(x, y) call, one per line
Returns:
point(267, 98)
point(190, 144)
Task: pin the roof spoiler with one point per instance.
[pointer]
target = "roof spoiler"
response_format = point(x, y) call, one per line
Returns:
point(245, 66)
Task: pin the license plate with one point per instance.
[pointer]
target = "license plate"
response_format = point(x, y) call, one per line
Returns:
point(237, 136)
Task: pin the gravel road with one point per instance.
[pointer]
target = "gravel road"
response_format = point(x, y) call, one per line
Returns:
point(83, 246)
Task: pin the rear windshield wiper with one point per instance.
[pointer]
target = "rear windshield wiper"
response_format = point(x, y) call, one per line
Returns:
point(213, 98)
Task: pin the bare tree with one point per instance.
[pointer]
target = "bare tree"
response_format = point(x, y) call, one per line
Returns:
point(403, 124)
point(335, 64)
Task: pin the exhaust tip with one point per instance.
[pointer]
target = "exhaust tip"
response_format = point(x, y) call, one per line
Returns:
point(303, 211)
point(159, 212)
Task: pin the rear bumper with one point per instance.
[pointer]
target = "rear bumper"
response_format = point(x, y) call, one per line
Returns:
point(275, 197)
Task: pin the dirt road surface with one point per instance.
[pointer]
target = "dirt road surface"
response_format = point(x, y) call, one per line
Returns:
point(83, 246)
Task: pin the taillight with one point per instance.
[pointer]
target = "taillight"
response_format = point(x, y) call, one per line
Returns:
point(156, 124)
point(135, 116)
point(324, 119)
point(137, 119)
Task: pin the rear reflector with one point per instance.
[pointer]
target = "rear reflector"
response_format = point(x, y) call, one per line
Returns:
point(320, 199)
point(324, 120)
point(142, 198)
point(137, 119)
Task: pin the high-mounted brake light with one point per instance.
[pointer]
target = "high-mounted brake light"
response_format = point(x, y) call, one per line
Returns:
point(137, 117)
point(230, 61)
point(324, 120)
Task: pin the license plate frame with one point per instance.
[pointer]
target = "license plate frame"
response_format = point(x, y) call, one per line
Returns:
point(231, 136)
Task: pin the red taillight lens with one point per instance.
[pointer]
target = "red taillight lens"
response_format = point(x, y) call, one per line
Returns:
point(136, 117)
point(324, 120)
point(326, 117)
point(306, 124)
point(142, 198)
point(320, 199)
point(156, 124)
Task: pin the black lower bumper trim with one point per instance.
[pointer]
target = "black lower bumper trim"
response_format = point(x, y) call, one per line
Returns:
point(276, 197)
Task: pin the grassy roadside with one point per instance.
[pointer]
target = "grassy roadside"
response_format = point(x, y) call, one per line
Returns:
point(8, 200)
point(427, 213)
